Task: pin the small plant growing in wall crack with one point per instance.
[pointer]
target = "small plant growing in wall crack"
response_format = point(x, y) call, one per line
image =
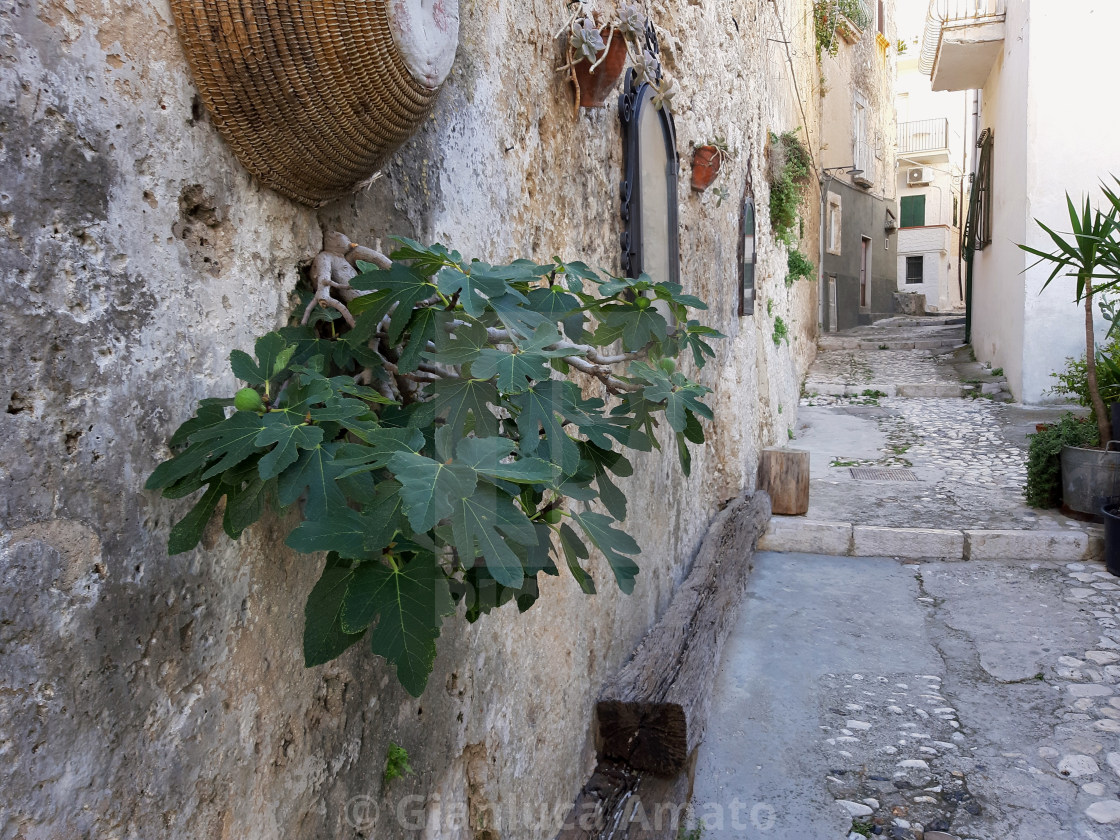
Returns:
point(428, 420)
point(781, 332)
point(791, 172)
point(799, 266)
point(396, 764)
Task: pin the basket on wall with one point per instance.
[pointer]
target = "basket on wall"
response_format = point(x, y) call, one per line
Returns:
point(314, 96)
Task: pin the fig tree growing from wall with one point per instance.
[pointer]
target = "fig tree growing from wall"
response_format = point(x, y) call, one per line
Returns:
point(429, 420)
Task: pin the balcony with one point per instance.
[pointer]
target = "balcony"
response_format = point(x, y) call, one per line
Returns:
point(922, 138)
point(961, 42)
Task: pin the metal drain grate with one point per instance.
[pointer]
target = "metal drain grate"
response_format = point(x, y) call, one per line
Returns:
point(875, 474)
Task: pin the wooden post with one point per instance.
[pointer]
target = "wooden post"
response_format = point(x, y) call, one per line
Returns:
point(784, 474)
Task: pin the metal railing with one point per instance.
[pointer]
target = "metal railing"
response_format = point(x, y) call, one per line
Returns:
point(943, 13)
point(923, 135)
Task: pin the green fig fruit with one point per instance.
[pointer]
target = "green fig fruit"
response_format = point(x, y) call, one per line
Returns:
point(247, 399)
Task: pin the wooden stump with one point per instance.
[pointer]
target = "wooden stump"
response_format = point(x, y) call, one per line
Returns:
point(653, 713)
point(784, 474)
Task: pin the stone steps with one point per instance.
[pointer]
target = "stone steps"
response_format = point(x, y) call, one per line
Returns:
point(838, 342)
point(846, 539)
point(915, 390)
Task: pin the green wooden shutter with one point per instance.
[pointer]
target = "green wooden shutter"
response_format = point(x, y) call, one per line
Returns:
point(913, 209)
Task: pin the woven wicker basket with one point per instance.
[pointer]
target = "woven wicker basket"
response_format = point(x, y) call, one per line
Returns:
point(312, 95)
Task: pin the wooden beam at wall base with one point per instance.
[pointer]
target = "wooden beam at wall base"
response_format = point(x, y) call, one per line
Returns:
point(652, 715)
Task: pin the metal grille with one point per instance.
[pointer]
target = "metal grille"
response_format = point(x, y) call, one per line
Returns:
point(923, 135)
point(877, 474)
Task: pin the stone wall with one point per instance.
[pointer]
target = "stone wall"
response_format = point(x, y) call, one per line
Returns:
point(148, 696)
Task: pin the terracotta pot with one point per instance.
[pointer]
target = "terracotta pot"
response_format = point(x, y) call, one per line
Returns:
point(595, 85)
point(706, 161)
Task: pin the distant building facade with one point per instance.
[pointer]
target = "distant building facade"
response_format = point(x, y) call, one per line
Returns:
point(931, 164)
point(1041, 130)
point(858, 251)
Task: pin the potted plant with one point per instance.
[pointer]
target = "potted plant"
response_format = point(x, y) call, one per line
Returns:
point(598, 45)
point(1091, 255)
point(706, 162)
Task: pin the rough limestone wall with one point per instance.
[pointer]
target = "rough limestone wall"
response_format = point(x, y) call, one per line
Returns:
point(145, 696)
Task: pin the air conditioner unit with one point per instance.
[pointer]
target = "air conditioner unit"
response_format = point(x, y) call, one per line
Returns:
point(920, 176)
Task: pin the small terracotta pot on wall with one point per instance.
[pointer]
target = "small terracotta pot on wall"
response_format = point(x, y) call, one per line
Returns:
point(595, 85)
point(706, 161)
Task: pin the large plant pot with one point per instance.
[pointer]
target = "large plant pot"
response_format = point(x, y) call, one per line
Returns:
point(594, 85)
point(1111, 514)
point(1090, 477)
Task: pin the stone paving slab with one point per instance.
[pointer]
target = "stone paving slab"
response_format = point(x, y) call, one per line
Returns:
point(863, 697)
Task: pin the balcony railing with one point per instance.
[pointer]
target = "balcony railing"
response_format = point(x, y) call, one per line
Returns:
point(923, 136)
point(950, 13)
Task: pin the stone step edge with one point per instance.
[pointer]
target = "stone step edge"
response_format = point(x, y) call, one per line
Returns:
point(845, 539)
point(912, 390)
point(851, 344)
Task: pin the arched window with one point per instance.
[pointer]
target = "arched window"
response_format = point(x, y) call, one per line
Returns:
point(650, 242)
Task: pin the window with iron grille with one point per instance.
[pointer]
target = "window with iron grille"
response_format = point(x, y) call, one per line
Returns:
point(914, 268)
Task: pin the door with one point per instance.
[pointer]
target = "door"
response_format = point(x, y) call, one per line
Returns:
point(865, 274)
point(832, 327)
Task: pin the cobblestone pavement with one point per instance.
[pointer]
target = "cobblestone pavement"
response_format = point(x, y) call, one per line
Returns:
point(868, 368)
point(967, 455)
point(866, 697)
point(918, 700)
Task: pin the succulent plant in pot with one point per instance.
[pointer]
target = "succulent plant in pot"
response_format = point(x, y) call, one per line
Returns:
point(598, 45)
point(707, 160)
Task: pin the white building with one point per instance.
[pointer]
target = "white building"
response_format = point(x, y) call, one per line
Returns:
point(932, 189)
point(1040, 73)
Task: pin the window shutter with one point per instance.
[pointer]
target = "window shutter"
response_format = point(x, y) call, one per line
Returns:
point(913, 209)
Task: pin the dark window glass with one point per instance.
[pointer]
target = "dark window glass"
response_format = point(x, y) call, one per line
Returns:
point(914, 269)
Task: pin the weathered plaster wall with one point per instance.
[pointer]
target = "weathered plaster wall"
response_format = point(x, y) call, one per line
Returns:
point(1057, 164)
point(1029, 90)
point(147, 696)
point(861, 74)
point(862, 216)
point(999, 295)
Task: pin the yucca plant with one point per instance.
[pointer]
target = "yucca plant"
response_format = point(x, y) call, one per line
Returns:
point(1092, 257)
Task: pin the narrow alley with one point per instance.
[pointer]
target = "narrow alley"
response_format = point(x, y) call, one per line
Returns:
point(900, 692)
